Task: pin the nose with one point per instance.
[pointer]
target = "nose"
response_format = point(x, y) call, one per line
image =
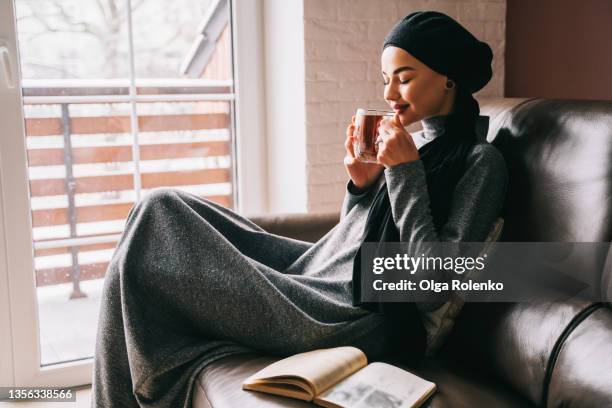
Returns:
point(391, 92)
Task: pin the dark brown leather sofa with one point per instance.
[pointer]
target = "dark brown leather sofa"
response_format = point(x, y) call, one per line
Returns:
point(544, 353)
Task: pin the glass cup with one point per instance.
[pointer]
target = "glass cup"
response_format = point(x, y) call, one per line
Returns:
point(366, 133)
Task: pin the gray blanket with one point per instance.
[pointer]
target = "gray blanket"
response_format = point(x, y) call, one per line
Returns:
point(191, 282)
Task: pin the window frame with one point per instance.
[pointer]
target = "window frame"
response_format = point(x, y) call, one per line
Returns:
point(250, 107)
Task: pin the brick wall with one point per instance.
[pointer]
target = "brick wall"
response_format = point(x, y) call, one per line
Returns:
point(342, 40)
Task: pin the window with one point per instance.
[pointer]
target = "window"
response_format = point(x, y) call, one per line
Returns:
point(115, 98)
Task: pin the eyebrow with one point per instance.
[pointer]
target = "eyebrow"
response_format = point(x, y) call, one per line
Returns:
point(401, 69)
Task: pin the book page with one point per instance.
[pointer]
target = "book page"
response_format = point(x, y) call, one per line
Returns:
point(319, 368)
point(378, 385)
point(283, 389)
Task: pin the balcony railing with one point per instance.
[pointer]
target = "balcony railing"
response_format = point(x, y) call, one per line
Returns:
point(88, 167)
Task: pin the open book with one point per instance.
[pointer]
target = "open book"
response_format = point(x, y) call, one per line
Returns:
point(341, 377)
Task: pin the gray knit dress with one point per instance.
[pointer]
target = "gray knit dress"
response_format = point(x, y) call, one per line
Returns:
point(191, 282)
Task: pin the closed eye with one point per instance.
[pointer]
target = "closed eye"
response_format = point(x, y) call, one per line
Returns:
point(401, 82)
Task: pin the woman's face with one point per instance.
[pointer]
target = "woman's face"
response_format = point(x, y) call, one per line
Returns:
point(412, 89)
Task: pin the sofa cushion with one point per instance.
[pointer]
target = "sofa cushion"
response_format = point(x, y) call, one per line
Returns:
point(305, 227)
point(219, 385)
point(558, 157)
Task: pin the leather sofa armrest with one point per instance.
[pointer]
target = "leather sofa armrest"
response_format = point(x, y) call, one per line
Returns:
point(512, 341)
point(582, 373)
point(305, 227)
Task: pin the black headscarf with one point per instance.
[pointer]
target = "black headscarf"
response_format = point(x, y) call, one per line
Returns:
point(445, 46)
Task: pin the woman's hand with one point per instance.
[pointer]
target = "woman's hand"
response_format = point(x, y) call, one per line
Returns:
point(395, 144)
point(363, 174)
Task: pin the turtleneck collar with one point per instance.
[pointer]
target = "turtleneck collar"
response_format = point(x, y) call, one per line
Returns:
point(433, 126)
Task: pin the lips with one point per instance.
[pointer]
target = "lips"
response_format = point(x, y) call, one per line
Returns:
point(398, 108)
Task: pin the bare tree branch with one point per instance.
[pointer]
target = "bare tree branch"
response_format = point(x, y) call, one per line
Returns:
point(72, 22)
point(102, 9)
point(106, 25)
point(138, 5)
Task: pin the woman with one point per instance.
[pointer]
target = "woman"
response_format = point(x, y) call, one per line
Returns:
point(192, 282)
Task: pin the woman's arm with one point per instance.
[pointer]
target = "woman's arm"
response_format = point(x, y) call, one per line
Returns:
point(353, 195)
point(477, 201)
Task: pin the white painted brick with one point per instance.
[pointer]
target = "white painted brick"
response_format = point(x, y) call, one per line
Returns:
point(324, 191)
point(327, 193)
point(469, 10)
point(377, 31)
point(499, 48)
point(323, 208)
point(336, 71)
point(322, 113)
point(445, 6)
point(494, 31)
point(321, 9)
point(326, 173)
point(356, 90)
point(374, 73)
point(334, 30)
point(477, 28)
point(495, 11)
point(363, 10)
point(325, 153)
point(321, 91)
point(320, 50)
point(405, 7)
point(377, 98)
point(329, 133)
point(357, 51)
